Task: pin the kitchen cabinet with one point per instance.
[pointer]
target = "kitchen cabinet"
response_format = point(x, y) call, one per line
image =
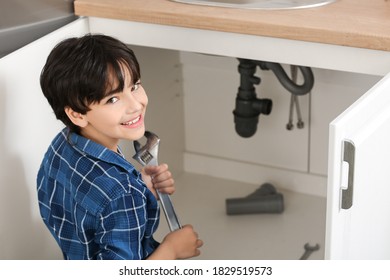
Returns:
point(28, 125)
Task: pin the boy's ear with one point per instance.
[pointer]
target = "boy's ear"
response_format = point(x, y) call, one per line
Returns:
point(76, 117)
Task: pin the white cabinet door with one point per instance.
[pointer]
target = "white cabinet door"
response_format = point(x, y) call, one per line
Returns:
point(27, 125)
point(358, 206)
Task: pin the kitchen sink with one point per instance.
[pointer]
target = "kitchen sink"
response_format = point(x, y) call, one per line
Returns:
point(259, 4)
point(22, 21)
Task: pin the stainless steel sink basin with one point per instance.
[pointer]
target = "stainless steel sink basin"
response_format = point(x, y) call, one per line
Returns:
point(260, 4)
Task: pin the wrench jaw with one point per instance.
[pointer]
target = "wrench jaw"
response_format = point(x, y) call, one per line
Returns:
point(309, 249)
point(147, 154)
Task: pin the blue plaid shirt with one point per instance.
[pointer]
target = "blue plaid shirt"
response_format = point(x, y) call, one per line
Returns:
point(94, 202)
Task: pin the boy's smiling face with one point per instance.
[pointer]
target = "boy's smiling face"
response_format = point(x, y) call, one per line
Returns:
point(119, 115)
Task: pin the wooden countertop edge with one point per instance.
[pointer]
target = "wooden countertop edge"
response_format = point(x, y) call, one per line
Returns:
point(237, 26)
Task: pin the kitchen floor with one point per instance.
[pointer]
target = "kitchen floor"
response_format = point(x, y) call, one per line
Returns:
point(200, 200)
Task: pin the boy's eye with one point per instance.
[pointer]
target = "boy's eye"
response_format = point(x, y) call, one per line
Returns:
point(136, 86)
point(112, 100)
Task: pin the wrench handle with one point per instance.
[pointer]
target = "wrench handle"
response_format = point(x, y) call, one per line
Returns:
point(169, 211)
point(166, 204)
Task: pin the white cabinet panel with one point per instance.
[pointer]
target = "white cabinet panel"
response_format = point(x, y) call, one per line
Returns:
point(27, 125)
point(361, 229)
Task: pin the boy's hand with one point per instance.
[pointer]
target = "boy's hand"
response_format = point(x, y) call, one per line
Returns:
point(183, 243)
point(158, 177)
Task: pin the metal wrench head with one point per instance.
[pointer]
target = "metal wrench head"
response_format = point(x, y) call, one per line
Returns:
point(309, 247)
point(308, 250)
point(147, 154)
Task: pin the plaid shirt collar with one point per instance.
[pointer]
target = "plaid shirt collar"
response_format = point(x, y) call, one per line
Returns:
point(91, 148)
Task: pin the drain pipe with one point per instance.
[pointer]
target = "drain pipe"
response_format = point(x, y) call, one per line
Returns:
point(248, 106)
point(286, 82)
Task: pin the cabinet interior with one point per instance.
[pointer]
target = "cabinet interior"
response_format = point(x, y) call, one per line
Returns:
point(191, 99)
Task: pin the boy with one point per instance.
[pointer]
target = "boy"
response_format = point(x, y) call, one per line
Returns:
point(93, 201)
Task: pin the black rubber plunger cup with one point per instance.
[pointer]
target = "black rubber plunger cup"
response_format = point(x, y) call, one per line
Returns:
point(264, 200)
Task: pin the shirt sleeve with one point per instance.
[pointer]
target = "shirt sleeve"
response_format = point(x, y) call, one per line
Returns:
point(121, 228)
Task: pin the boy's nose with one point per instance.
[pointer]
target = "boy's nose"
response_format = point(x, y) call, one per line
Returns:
point(132, 103)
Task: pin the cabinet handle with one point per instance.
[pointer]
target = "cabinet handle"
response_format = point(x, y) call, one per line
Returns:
point(348, 157)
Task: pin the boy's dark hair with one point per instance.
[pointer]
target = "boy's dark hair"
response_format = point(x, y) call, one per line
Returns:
point(78, 72)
